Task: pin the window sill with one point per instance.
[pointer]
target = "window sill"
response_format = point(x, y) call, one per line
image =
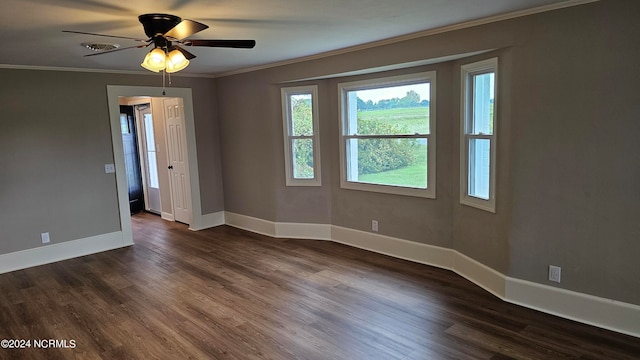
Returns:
point(388, 189)
point(486, 205)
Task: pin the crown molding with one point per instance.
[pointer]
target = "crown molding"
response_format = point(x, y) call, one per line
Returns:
point(102, 71)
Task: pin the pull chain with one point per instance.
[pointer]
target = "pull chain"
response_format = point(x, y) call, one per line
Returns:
point(163, 86)
point(164, 74)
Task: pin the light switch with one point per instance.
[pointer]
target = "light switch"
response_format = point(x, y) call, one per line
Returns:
point(109, 168)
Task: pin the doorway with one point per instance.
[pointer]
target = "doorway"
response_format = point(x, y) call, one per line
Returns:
point(156, 159)
point(132, 163)
point(146, 120)
point(192, 192)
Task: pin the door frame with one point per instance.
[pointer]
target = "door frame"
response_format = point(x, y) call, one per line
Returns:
point(113, 93)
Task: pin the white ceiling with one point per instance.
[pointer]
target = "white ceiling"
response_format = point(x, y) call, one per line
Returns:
point(283, 29)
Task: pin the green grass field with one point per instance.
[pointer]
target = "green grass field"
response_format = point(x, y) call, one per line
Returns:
point(411, 118)
point(414, 175)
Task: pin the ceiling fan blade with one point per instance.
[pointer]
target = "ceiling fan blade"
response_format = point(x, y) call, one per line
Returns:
point(185, 29)
point(94, 34)
point(238, 44)
point(118, 49)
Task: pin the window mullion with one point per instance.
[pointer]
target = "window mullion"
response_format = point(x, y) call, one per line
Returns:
point(417, 136)
point(479, 136)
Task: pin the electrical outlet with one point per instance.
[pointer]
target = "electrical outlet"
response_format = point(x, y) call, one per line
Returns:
point(374, 225)
point(554, 273)
point(45, 237)
point(109, 168)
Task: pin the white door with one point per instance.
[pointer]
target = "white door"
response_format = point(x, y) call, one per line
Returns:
point(178, 160)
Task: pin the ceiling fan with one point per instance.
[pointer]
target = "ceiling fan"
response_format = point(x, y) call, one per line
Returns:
point(166, 33)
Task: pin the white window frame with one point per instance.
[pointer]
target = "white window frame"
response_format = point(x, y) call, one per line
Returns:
point(415, 78)
point(466, 119)
point(289, 138)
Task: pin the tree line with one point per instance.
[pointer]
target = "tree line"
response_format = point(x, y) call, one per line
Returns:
point(411, 99)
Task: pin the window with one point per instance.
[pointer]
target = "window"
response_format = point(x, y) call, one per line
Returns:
point(302, 146)
point(388, 135)
point(152, 168)
point(478, 134)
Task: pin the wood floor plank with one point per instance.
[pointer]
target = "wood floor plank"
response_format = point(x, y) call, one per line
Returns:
point(225, 293)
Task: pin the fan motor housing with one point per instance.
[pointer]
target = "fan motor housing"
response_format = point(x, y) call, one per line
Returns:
point(158, 24)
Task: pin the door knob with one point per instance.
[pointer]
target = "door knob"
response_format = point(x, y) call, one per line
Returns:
point(170, 167)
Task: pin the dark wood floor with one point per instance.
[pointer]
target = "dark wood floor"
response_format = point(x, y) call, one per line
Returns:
point(224, 293)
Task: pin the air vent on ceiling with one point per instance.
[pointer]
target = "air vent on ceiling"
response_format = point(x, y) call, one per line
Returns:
point(100, 47)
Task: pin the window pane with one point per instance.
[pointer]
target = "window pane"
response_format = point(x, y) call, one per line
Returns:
point(389, 110)
point(301, 115)
point(302, 158)
point(399, 162)
point(479, 167)
point(148, 127)
point(483, 89)
point(124, 124)
point(153, 170)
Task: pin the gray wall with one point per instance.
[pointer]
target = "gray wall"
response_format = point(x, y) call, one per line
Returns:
point(54, 142)
point(576, 154)
point(568, 177)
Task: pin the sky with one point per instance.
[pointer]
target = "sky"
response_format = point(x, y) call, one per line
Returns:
point(386, 93)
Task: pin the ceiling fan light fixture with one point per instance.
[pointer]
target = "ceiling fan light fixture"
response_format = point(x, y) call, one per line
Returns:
point(155, 60)
point(162, 30)
point(176, 61)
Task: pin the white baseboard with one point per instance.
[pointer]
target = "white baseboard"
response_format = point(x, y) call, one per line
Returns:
point(601, 312)
point(278, 230)
point(593, 310)
point(61, 251)
point(398, 248)
point(209, 221)
point(167, 216)
point(303, 231)
point(249, 223)
point(480, 274)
